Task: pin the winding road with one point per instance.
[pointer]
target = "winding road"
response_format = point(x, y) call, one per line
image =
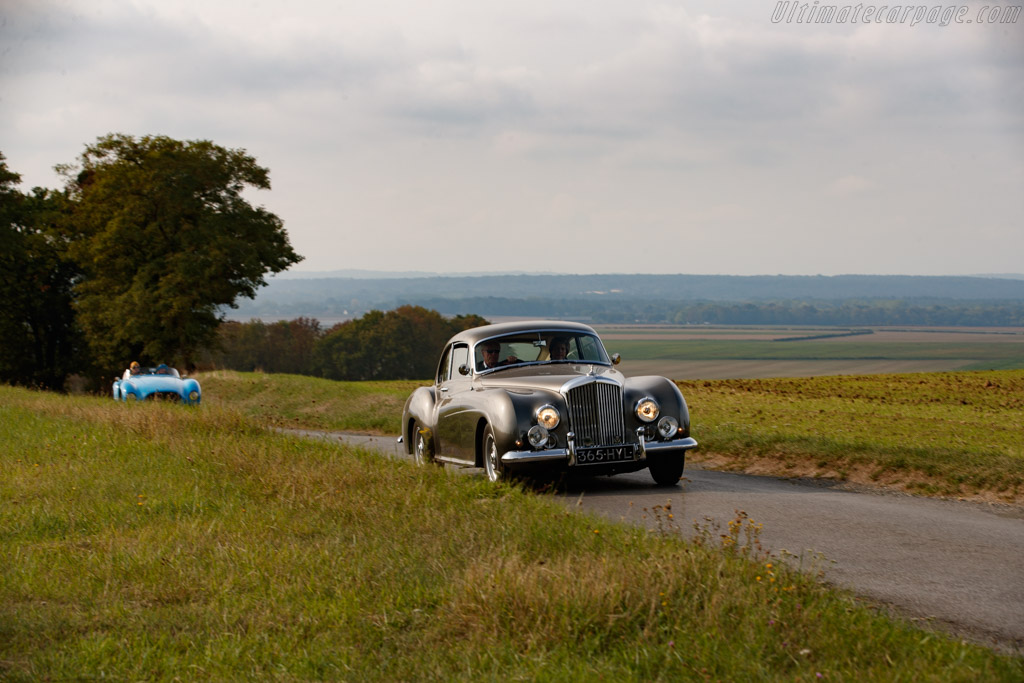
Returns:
point(954, 565)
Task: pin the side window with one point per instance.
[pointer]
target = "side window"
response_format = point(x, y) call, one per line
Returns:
point(460, 356)
point(444, 367)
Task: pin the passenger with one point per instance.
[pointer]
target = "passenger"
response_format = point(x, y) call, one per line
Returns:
point(132, 370)
point(162, 369)
point(559, 348)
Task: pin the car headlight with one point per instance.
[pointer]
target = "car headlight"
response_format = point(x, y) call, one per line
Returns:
point(548, 417)
point(193, 395)
point(667, 427)
point(647, 409)
point(537, 436)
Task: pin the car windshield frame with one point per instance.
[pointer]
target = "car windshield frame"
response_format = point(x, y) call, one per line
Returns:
point(155, 372)
point(585, 348)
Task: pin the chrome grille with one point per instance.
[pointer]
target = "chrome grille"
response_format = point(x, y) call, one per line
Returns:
point(595, 414)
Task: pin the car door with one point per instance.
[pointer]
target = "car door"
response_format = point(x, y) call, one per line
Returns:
point(456, 416)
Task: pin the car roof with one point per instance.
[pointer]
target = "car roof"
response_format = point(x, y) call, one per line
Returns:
point(477, 334)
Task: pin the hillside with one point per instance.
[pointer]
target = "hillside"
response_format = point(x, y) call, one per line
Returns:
point(620, 297)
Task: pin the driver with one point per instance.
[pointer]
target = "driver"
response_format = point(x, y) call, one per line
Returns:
point(490, 353)
point(132, 370)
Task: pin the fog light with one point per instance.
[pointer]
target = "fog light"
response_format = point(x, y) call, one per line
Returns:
point(667, 426)
point(193, 396)
point(537, 436)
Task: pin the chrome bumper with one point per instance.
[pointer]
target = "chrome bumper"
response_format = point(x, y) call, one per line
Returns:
point(568, 454)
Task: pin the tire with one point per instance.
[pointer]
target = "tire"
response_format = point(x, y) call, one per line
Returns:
point(666, 471)
point(492, 463)
point(422, 451)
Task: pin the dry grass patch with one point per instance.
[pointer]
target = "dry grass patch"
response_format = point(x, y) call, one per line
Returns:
point(948, 434)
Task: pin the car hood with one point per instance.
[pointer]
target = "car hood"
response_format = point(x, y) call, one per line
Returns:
point(156, 383)
point(544, 377)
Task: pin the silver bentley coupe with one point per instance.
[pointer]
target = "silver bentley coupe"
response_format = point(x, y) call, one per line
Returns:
point(514, 397)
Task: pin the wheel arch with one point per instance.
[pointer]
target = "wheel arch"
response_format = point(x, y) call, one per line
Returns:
point(481, 425)
point(508, 416)
point(419, 407)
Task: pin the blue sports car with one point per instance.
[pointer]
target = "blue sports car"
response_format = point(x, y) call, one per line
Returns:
point(160, 382)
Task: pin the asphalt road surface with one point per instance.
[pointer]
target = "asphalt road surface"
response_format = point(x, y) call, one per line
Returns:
point(954, 565)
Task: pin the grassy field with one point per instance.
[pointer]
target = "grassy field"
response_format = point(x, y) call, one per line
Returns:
point(705, 352)
point(997, 356)
point(310, 402)
point(950, 434)
point(158, 542)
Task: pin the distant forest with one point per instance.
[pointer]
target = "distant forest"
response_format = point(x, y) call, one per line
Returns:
point(676, 299)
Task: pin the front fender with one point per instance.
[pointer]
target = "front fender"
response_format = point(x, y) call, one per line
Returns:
point(495, 408)
point(129, 392)
point(664, 391)
point(187, 387)
point(510, 415)
point(419, 407)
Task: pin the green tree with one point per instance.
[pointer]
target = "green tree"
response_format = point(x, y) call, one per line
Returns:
point(401, 344)
point(39, 343)
point(164, 239)
point(282, 346)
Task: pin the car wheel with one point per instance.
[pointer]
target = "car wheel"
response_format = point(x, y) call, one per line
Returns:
point(492, 462)
point(421, 451)
point(666, 471)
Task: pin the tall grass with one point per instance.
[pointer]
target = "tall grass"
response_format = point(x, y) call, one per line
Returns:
point(156, 542)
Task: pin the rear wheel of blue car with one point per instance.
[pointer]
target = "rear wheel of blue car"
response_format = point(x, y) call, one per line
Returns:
point(492, 462)
point(666, 470)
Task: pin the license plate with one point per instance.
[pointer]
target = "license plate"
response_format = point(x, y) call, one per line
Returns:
point(595, 456)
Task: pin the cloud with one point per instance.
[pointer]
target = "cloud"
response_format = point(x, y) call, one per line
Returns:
point(849, 186)
point(395, 129)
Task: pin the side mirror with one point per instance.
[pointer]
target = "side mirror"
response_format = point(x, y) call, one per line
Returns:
point(464, 370)
point(616, 359)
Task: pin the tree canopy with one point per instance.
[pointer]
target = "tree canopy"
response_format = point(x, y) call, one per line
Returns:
point(283, 346)
point(401, 344)
point(38, 335)
point(164, 238)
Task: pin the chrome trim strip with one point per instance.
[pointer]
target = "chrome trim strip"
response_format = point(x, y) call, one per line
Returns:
point(677, 445)
point(514, 457)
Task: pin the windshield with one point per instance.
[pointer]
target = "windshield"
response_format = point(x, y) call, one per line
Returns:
point(160, 370)
point(542, 346)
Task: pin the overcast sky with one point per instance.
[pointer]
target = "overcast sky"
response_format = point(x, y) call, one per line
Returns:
point(577, 136)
